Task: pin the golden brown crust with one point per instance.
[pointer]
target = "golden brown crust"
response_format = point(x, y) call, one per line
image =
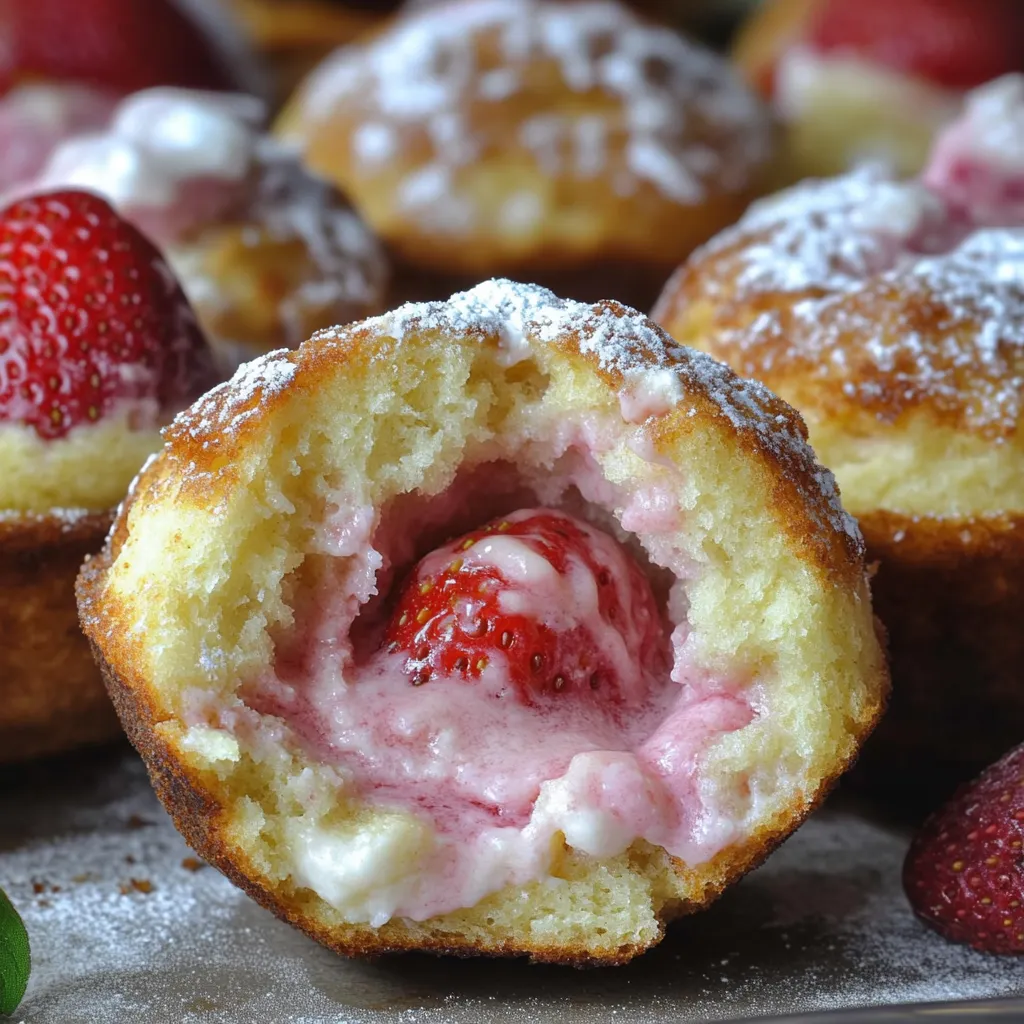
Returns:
point(51, 694)
point(207, 445)
point(809, 295)
point(210, 438)
point(951, 593)
point(200, 818)
point(541, 173)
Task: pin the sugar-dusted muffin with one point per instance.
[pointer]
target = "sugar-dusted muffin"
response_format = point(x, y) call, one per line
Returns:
point(891, 313)
point(856, 80)
point(572, 144)
point(266, 252)
point(98, 347)
point(499, 625)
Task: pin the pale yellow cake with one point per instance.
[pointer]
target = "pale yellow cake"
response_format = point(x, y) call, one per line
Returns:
point(311, 479)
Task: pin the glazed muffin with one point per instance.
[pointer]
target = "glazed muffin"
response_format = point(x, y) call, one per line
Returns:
point(500, 625)
point(266, 252)
point(854, 80)
point(97, 348)
point(890, 313)
point(572, 144)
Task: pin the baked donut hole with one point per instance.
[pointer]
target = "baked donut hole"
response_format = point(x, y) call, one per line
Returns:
point(639, 506)
point(573, 144)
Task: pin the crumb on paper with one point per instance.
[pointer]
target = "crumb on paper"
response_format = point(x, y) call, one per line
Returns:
point(143, 885)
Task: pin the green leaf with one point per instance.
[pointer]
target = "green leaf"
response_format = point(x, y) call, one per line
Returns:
point(14, 957)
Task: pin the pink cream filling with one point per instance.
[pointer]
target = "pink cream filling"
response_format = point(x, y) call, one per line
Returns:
point(495, 779)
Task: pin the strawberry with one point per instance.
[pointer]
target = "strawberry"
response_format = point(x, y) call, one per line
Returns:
point(121, 45)
point(964, 874)
point(954, 43)
point(90, 314)
point(556, 605)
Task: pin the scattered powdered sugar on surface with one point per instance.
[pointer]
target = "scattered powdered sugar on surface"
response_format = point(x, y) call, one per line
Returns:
point(127, 925)
point(433, 91)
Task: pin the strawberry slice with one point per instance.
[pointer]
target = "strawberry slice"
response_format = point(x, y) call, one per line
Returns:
point(90, 315)
point(954, 43)
point(964, 874)
point(538, 603)
point(122, 45)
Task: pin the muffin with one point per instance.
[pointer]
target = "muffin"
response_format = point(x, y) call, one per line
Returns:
point(500, 625)
point(890, 313)
point(266, 252)
point(572, 144)
point(854, 80)
point(98, 347)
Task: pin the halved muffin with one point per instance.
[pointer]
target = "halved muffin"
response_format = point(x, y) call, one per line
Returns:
point(643, 665)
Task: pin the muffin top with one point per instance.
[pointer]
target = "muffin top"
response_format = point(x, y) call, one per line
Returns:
point(514, 129)
point(885, 310)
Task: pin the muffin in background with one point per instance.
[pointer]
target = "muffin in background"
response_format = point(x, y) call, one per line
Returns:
point(98, 349)
point(891, 314)
point(572, 144)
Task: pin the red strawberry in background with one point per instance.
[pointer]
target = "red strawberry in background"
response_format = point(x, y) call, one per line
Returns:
point(955, 43)
point(119, 45)
point(90, 315)
point(964, 874)
point(560, 607)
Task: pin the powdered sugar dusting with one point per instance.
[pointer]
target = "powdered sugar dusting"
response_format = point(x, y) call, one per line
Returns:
point(823, 924)
point(825, 236)
point(624, 344)
point(224, 410)
point(888, 294)
point(660, 111)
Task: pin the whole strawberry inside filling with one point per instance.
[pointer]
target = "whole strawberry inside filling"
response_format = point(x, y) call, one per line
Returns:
point(493, 692)
point(557, 605)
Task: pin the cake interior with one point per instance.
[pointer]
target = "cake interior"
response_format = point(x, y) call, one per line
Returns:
point(481, 789)
point(261, 607)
